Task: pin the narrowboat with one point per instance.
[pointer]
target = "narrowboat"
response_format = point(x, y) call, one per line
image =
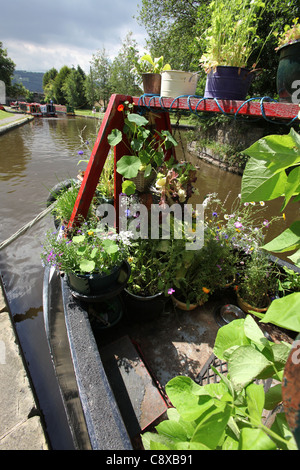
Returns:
point(48, 110)
point(30, 108)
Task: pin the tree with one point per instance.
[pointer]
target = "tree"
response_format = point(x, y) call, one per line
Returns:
point(48, 84)
point(173, 27)
point(122, 79)
point(7, 68)
point(97, 85)
point(72, 88)
point(58, 92)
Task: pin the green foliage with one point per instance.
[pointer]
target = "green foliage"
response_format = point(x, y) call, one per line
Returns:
point(89, 250)
point(228, 415)
point(147, 64)
point(146, 149)
point(7, 66)
point(231, 36)
point(265, 177)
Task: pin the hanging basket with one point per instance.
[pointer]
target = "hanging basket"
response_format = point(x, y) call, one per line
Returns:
point(143, 184)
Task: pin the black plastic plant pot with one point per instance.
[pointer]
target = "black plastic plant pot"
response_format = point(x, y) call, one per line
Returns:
point(92, 284)
point(142, 309)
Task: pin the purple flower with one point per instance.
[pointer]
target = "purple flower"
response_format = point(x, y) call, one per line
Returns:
point(215, 214)
point(80, 152)
point(171, 291)
point(266, 223)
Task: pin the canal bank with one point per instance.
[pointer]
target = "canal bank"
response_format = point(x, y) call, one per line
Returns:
point(20, 420)
point(13, 120)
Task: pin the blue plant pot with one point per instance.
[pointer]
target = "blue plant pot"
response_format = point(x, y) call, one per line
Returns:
point(228, 83)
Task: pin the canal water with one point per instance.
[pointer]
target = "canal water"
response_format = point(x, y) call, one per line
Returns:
point(33, 159)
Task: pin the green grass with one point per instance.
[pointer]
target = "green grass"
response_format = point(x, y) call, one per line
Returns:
point(87, 112)
point(3, 114)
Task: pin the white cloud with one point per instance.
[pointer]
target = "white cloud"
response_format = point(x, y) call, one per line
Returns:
point(39, 35)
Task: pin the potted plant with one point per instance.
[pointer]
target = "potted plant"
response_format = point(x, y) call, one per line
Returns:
point(289, 61)
point(150, 70)
point(175, 181)
point(144, 294)
point(256, 282)
point(64, 205)
point(90, 257)
point(229, 41)
point(146, 150)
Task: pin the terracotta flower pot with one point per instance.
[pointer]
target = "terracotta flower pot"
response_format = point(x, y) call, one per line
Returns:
point(183, 306)
point(247, 307)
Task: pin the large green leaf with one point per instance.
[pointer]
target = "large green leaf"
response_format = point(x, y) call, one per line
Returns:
point(285, 312)
point(137, 119)
point(245, 364)
point(228, 336)
point(114, 137)
point(254, 333)
point(183, 392)
point(212, 427)
point(292, 187)
point(255, 402)
point(259, 183)
point(273, 397)
point(278, 151)
point(288, 240)
point(255, 439)
point(128, 166)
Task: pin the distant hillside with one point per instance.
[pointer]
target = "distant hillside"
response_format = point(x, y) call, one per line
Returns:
point(33, 81)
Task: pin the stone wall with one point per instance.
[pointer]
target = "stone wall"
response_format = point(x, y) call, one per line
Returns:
point(221, 144)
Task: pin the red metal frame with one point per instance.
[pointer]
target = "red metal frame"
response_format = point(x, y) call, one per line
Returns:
point(112, 119)
point(115, 119)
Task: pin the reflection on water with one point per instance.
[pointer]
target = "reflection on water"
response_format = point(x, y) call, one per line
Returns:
point(33, 159)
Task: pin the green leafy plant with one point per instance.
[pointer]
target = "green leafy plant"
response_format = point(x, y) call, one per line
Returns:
point(231, 36)
point(274, 171)
point(147, 64)
point(229, 415)
point(65, 202)
point(89, 250)
point(175, 181)
point(289, 35)
point(257, 279)
point(146, 148)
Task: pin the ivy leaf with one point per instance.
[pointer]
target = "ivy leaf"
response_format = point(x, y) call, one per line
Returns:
point(128, 166)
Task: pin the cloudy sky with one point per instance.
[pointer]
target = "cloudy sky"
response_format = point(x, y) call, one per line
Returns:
point(41, 34)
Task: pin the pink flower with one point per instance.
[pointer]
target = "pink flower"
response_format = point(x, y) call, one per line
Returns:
point(171, 291)
point(238, 225)
point(266, 223)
